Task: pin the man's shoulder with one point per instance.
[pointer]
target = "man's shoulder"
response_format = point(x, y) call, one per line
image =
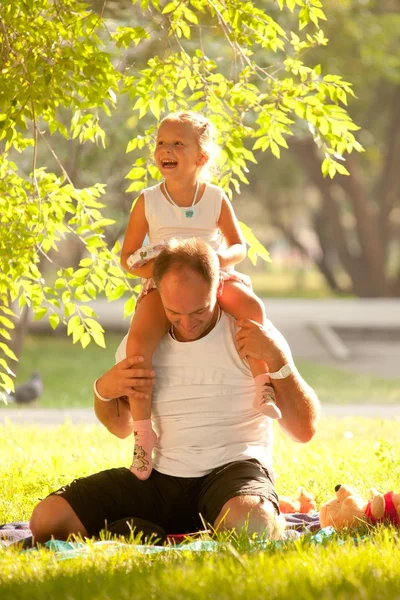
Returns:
point(227, 323)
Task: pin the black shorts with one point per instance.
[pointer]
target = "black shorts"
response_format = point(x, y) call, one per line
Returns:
point(174, 503)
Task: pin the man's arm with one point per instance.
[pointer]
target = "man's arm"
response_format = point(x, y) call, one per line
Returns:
point(117, 383)
point(297, 401)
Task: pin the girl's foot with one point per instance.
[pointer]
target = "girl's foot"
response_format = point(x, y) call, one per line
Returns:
point(265, 397)
point(145, 439)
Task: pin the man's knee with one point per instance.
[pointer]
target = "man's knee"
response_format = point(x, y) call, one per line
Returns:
point(252, 514)
point(54, 517)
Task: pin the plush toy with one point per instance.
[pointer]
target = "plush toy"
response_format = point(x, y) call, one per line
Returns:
point(348, 509)
point(304, 503)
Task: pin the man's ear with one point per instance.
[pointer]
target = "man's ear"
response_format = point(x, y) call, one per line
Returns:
point(220, 288)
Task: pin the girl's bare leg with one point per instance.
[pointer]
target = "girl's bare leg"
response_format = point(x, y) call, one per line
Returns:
point(240, 302)
point(148, 327)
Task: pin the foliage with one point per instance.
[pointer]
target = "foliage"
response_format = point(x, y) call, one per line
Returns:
point(59, 78)
point(354, 220)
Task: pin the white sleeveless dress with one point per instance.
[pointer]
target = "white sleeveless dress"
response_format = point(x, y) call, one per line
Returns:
point(167, 221)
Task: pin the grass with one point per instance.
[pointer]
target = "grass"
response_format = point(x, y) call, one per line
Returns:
point(362, 452)
point(68, 373)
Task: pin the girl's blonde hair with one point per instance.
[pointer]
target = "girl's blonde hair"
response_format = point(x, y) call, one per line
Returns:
point(205, 133)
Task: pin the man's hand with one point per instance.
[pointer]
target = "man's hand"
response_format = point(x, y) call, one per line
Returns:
point(262, 343)
point(123, 379)
point(296, 400)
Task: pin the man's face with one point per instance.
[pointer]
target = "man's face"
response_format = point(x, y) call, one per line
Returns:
point(189, 303)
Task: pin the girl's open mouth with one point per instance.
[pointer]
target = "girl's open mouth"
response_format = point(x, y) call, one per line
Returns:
point(168, 163)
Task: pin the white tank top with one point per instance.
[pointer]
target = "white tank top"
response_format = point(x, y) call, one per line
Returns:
point(202, 406)
point(167, 221)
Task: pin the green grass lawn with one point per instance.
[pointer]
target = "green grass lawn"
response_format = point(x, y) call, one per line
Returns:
point(68, 372)
point(361, 452)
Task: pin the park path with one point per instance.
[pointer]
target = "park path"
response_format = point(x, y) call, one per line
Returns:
point(86, 416)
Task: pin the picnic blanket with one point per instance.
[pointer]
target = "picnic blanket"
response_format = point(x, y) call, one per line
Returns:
point(19, 533)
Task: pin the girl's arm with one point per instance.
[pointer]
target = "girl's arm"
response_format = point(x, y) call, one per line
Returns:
point(134, 236)
point(230, 228)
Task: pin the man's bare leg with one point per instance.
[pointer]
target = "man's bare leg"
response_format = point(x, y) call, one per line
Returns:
point(54, 517)
point(252, 514)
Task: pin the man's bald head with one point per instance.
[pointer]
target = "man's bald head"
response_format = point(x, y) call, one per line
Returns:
point(183, 256)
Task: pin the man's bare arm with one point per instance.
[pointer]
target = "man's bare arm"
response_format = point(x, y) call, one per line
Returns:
point(297, 401)
point(121, 380)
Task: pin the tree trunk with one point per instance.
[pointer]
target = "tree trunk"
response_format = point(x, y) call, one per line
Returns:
point(365, 263)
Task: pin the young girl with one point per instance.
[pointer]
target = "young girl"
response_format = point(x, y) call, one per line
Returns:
point(184, 205)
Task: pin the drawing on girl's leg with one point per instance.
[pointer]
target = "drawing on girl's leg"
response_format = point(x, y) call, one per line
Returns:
point(145, 439)
point(139, 461)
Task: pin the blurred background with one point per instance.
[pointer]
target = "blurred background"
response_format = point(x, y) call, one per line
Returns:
point(333, 285)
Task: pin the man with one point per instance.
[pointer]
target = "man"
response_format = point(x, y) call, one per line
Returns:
point(214, 450)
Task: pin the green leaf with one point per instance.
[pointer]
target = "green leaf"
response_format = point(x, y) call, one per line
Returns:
point(253, 242)
point(169, 7)
point(81, 272)
point(86, 262)
point(251, 253)
point(129, 306)
point(85, 339)
point(73, 323)
point(7, 351)
point(69, 309)
point(5, 334)
point(275, 149)
point(155, 106)
point(136, 173)
point(136, 186)
point(291, 4)
point(91, 290)
point(39, 313)
point(6, 322)
point(341, 169)
point(93, 325)
point(7, 310)
point(8, 382)
point(77, 333)
point(60, 284)
point(98, 337)
point(87, 310)
point(54, 320)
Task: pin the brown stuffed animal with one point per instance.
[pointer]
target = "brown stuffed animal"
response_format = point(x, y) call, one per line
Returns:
point(304, 503)
point(348, 509)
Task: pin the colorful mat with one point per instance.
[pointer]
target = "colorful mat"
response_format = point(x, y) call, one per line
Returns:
point(19, 533)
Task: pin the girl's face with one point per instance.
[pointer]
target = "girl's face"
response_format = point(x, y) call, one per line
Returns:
point(177, 152)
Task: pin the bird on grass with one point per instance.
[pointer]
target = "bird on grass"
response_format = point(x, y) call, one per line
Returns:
point(27, 392)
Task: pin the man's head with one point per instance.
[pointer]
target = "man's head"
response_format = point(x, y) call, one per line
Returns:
point(186, 274)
